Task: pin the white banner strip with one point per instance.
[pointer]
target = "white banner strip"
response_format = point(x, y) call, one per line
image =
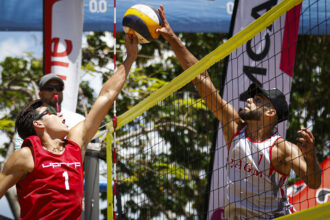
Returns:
point(63, 26)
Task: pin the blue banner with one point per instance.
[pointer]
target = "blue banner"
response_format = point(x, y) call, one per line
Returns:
point(211, 16)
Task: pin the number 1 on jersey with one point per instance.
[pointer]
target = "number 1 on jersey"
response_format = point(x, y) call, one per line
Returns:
point(66, 180)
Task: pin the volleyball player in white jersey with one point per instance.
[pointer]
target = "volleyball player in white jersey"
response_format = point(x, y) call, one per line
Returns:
point(259, 160)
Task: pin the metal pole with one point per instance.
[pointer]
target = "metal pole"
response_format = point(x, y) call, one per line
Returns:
point(92, 189)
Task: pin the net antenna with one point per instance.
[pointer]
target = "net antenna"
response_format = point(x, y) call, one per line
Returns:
point(111, 173)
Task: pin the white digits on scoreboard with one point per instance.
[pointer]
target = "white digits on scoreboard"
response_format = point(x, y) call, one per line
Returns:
point(230, 7)
point(98, 6)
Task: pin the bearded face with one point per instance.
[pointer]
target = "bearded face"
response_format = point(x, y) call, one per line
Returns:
point(253, 115)
point(256, 108)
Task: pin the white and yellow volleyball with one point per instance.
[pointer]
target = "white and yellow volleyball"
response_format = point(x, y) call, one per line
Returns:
point(142, 20)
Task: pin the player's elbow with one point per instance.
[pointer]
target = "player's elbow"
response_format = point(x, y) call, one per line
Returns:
point(315, 181)
point(314, 185)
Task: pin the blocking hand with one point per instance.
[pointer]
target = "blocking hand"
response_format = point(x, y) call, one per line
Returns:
point(166, 30)
point(306, 141)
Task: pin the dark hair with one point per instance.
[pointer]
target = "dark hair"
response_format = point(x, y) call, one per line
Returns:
point(24, 120)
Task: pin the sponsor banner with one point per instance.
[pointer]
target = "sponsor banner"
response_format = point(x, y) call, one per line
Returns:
point(267, 60)
point(184, 16)
point(63, 23)
point(302, 197)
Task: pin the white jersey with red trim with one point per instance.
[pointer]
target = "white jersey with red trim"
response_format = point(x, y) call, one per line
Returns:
point(254, 188)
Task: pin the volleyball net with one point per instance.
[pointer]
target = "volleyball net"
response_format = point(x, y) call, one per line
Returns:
point(171, 158)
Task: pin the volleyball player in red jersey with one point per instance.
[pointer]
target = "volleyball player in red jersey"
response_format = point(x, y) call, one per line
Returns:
point(48, 169)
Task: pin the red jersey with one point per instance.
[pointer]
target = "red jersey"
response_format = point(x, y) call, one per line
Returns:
point(54, 189)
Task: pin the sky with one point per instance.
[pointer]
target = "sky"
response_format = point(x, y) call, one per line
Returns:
point(18, 43)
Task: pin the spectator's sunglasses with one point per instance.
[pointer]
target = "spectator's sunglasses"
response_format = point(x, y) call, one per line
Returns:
point(50, 88)
point(49, 111)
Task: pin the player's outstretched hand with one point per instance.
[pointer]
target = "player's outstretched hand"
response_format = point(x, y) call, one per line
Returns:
point(166, 30)
point(131, 44)
point(306, 141)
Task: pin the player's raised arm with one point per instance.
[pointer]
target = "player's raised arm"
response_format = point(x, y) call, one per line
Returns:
point(304, 160)
point(223, 111)
point(84, 131)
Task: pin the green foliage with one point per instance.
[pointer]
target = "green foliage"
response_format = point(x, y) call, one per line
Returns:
point(195, 103)
point(7, 125)
point(17, 87)
point(310, 96)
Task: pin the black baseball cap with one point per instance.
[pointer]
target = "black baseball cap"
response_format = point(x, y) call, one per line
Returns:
point(275, 96)
point(46, 78)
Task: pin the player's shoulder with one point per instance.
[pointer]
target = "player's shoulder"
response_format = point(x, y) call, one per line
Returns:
point(23, 158)
point(23, 152)
point(284, 147)
point(282, 143)
point(278, 146)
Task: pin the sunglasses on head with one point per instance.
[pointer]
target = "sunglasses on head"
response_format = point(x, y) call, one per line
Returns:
point(49, 111)
point(50, 88)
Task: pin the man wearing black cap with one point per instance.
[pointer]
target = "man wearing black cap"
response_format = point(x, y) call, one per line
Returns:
point(51, 90)
point(275, 97)
point(51, 94)
point(259, 160)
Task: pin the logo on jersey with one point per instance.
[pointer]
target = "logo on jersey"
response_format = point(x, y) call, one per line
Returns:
point(54, 165)
point(245, 166)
